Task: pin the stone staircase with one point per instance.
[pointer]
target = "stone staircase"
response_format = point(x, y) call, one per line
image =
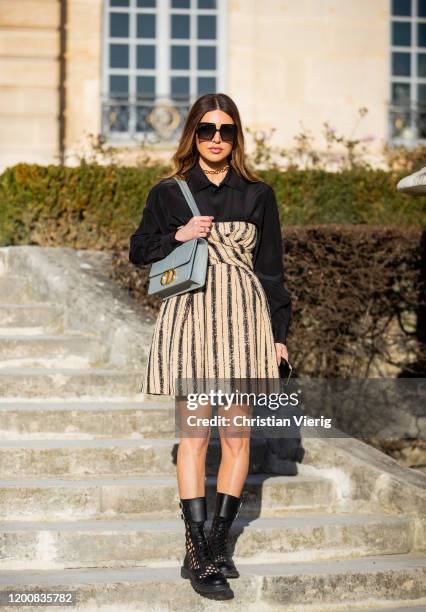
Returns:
point(88, 497)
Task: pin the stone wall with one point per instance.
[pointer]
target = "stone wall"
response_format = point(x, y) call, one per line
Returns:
point(29, 78)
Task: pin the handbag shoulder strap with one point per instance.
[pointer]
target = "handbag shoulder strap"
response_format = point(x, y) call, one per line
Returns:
point(188, 196)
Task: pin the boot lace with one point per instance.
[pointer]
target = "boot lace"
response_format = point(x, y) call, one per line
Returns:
point(219, 539)
point(198, 551)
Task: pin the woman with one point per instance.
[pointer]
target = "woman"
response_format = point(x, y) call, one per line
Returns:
point(234, 326)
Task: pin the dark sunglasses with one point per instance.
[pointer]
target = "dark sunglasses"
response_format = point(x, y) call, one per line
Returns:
point(207, 131)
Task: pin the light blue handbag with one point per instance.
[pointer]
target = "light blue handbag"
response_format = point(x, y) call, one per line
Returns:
point(184, 269)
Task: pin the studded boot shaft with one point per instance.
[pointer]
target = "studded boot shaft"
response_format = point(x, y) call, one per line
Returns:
point(227, 507)
point(198, 565)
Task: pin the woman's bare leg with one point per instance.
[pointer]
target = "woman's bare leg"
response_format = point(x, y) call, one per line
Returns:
point(234, 464)
point(192, 451)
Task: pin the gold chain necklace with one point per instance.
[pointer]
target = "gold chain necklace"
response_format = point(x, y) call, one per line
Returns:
point(215, 171)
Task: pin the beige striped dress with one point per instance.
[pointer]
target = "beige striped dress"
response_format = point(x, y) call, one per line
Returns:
point(220, 331)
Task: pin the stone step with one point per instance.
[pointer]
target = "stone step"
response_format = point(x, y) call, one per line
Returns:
point(68, 382)
point(321, 586)
point(149, 497)
point(95, 419)
point(402, 608)
point(117, 543)
point(32, 318)
point(14, 288)
point(80, 458)
point(3, 261)
point(42, 350)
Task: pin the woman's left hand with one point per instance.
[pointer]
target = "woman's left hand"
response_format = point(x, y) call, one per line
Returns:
point(282, 352)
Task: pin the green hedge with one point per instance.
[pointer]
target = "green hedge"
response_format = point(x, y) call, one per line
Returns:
point(95, 206)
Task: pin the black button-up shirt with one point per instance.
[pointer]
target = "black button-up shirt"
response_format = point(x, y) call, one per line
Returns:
point(234, 199)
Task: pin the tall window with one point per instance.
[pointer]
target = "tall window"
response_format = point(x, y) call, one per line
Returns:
point(159, 56)
point(408, 70)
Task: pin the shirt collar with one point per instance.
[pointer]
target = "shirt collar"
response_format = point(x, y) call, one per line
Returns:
point(198, 179)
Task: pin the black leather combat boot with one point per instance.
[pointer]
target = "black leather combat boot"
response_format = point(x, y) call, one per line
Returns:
point(227, 507)
point(198, 564)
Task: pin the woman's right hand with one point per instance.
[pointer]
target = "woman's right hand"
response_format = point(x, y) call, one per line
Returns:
point(197, 227)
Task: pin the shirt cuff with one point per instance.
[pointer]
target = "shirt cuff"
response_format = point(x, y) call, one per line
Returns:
point(174, 240)
point(170, 242)
point(279, 331)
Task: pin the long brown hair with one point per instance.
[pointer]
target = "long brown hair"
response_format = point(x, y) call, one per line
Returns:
point(187, 153)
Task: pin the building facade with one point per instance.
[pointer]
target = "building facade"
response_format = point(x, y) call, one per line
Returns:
point(129, 69)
